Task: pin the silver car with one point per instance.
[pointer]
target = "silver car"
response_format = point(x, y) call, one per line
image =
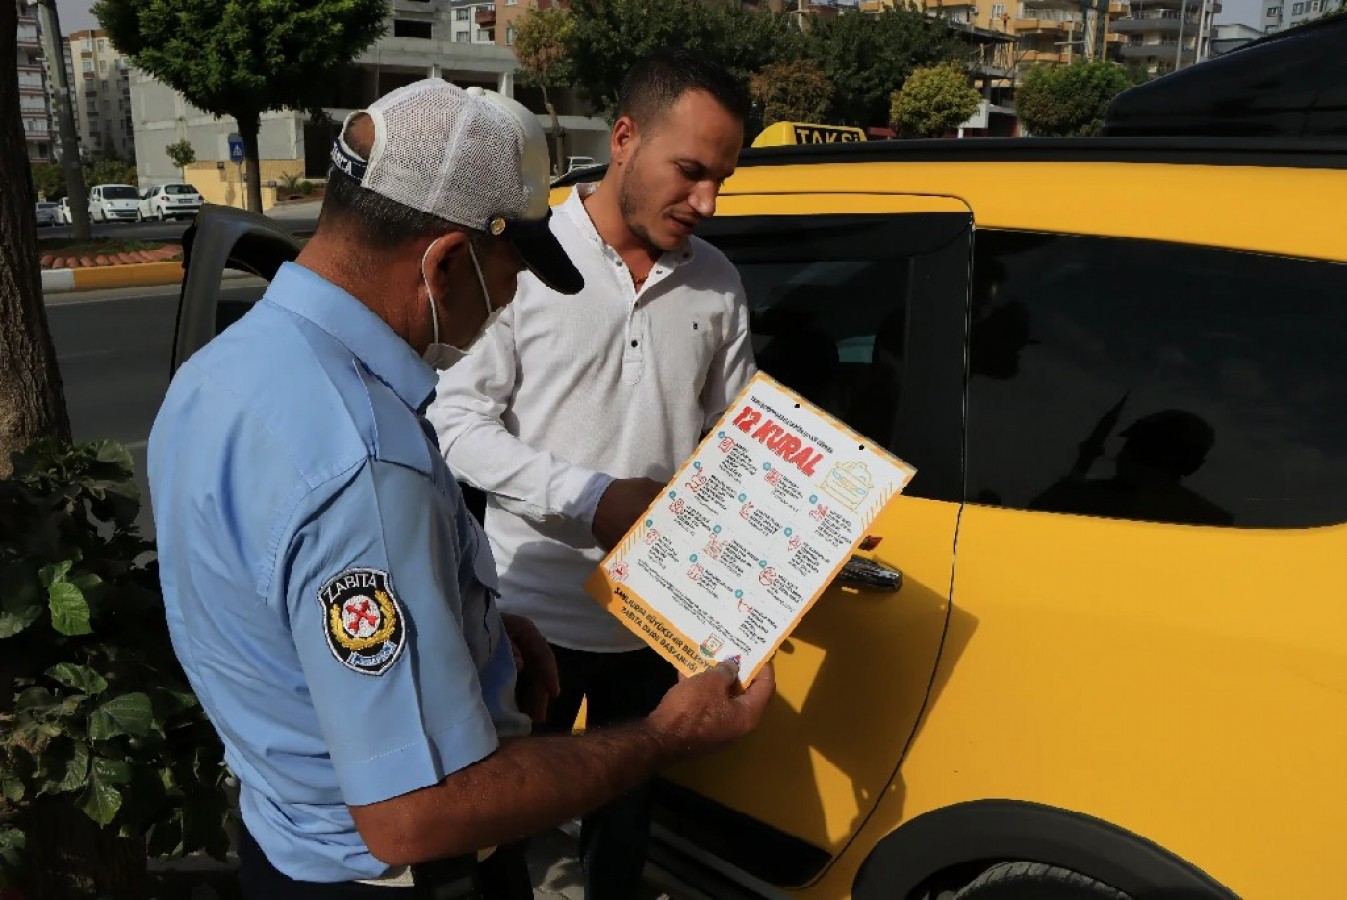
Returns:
point(46, 214)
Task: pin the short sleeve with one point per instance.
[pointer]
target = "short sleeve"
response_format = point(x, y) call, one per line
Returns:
point(370, 583)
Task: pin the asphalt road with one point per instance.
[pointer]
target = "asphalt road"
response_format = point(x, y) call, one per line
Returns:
point(299, 218)
point(113, 350)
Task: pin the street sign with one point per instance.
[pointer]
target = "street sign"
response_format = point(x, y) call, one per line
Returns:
point(236, 148)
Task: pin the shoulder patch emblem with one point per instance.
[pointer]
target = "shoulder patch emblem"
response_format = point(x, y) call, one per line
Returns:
point(363, 620)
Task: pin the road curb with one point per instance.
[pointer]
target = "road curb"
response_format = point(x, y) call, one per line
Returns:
point(60, 281)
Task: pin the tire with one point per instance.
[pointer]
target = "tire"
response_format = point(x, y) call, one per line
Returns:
point(1036, 881)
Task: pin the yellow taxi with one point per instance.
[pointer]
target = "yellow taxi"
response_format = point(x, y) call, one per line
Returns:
point(1115, 665)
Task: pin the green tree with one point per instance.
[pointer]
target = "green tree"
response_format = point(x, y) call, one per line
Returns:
point(31, 400)
point(1071, 100)
point(609, 35)
point(868, 57)
point(49, 180)
point(109, 171)
point(934, 100)
point(181, 154)
point(241, 59)
point(793, 91)
point(540, 45)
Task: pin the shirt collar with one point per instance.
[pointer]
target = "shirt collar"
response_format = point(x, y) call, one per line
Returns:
point(386, 355)
point(574, 209)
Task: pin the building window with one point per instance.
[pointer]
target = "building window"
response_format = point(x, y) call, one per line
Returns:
point(998, 10)
point(87, 46)
point(511, 2)
point(103, 66)
point(483, 36)
point(1297, 9)
point(411, 29)
point(462, 14)
point(1273, 12)
point(509, 34)
point(88, 65)
point(462, 37)
point(102, 45)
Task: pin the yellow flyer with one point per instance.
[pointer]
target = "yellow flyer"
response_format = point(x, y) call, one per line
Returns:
point(750, 531)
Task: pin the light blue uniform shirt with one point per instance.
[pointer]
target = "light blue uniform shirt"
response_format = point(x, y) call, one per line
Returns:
point(328, 594)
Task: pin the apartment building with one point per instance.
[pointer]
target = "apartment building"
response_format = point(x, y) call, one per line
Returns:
point(1164, 35)
point(39, 129)
point(1228, 36)
point(422, 41)
point(1043, 31)
point(101, 86)
point(1279, 15)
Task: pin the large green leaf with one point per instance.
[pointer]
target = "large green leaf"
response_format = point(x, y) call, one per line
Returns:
point(55, 572)
point(101, 801)
point(20, 599)
point(128, 714)
point(75, 759)
point(69, 609)
point(113, 771)
point(12, 842)
point(81, 678)
point(11, 788)
point(114, 453)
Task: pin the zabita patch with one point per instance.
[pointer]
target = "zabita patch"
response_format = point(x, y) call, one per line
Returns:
point(363, 620)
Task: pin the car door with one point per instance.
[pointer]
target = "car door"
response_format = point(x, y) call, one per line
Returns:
point(857, 302)
point(222, 238)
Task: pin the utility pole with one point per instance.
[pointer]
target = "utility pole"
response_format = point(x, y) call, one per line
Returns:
point(54, 49)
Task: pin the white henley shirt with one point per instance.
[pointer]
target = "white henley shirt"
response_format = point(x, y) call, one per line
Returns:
point(564, 394)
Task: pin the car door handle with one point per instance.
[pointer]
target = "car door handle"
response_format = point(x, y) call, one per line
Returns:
point(868, 573)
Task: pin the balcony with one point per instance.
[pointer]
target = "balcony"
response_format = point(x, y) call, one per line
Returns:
point(1039, 57)
point(1050, 26)
point(1029, 7)
point(1164, 51)
point(1155, 21)
point(486, 18)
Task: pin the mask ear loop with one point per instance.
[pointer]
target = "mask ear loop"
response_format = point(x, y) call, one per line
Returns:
point(434, 314)
point(486, 295)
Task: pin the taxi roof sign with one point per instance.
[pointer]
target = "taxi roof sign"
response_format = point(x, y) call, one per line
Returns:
point(782, 133)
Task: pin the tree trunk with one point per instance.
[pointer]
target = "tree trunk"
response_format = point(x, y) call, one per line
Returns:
point(31, 401)
point(69, 857)
point(558, 138)
point(249, 126)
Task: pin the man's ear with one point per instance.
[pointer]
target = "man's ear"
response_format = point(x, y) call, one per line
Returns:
point(440, 257)
point(622, 142)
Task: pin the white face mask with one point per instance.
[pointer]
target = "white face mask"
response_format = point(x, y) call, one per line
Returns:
point(444, 356)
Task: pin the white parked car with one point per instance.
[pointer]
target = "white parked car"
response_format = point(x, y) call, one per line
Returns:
point(170, 201)
point(114, 203)
point(46, 213)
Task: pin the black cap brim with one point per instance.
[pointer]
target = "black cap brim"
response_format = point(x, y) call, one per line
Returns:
point(540, 250)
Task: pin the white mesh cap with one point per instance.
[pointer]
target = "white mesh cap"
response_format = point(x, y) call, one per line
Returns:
point(472, 157)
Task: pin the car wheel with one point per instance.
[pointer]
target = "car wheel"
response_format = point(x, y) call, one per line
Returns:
point(1036, 881)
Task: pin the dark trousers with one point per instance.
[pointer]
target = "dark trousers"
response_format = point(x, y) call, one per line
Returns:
point(617, 687)
point(260, 880)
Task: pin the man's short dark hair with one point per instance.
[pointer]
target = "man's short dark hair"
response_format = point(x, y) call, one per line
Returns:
point(380, 222)
point(654, 84)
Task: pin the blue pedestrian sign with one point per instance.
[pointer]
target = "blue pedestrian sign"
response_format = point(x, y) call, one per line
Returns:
point(236, 148)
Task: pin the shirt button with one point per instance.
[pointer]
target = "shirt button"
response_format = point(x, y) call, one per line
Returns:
point(634, 342)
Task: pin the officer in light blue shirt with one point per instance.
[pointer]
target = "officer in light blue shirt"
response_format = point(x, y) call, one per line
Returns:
point(331, 600)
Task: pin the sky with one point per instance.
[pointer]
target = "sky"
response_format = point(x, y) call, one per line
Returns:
point(75, 14)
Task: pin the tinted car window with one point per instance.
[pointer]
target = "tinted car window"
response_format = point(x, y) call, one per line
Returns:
point(120, 192)
point(1156, 381)
point(827, 322)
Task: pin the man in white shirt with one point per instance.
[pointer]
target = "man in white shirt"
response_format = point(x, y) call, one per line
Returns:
point(572, 413)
